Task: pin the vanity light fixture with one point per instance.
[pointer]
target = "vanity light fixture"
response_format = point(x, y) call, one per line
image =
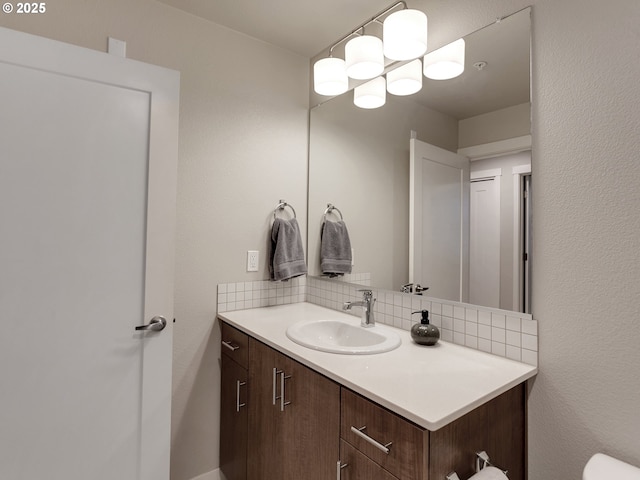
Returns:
point(330, 76)
point(364, 58)
point(405, 80)
point(446, 62)
point(405, 38)
point(372, 94)
point(405, 35)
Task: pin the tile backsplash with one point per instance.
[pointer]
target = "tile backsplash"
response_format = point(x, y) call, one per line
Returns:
point(507, 334)
point(261, 293)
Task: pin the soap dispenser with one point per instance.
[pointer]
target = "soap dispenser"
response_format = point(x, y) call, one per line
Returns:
point(424, 333)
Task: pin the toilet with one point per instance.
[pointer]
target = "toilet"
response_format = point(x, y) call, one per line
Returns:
point(604, 467)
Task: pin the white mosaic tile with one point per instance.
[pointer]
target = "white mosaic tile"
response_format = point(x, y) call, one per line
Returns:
point(506, 334)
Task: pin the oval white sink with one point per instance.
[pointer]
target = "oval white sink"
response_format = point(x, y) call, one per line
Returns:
point(336, 336)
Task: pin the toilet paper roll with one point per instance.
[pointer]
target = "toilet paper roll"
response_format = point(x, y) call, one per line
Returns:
point(489, 473)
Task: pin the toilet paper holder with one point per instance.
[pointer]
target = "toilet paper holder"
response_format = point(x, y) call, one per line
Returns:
point(482, 461)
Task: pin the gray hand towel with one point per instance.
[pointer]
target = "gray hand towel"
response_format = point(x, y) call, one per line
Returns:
point(335, 249)
point(286, 258)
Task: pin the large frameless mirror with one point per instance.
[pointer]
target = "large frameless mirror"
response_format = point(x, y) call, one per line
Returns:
point(432, 186)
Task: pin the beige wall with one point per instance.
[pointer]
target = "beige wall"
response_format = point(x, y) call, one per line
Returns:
point(243, 145)
point(238, 127)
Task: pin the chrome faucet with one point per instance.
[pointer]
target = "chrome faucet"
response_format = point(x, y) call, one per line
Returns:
point(367, 308)
point(411, 288)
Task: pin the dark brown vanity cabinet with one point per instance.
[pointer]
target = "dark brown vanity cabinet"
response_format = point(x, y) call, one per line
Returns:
point(397, 448)
point(280, 420)
point(294, 416)
point(233, 403)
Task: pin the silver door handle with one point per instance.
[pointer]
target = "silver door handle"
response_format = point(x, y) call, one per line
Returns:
point(155, 325)
point(230, 346)
point(276, 372)
point(375, 443)
point(339, 468)
point(238, 404)
point(283, 404)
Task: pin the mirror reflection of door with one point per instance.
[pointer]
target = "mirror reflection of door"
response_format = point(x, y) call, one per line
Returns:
point(439, 221)
point(499, 231)
point(484, 238)
point(525, 269)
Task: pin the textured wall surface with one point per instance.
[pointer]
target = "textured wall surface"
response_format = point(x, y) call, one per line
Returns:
point(586, 228)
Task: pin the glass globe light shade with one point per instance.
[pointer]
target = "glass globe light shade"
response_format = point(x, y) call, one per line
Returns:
point(330, 76)
point(372, 94)
point(405, 80)
point(364, 57)
point(404, 34)
point(446, 62)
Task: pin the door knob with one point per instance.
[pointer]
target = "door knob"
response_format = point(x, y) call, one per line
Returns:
point(155, 325)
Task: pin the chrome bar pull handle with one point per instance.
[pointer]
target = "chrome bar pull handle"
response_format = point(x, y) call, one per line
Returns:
point(155, 324)
point(283, 377)
point(339, 468)
point(276, 372)
point(230, 346)
point(238, 404)
point(375, 443)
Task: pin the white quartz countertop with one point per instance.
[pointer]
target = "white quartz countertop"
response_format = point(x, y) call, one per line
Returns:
point(431, 386)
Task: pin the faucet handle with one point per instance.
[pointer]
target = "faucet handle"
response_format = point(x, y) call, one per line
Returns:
point(407, 288)
point(366, 292)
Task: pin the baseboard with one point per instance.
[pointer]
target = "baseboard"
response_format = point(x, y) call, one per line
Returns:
point(212, 475)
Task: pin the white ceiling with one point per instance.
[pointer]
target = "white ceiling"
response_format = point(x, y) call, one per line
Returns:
point(309, 27)
point(302, 26)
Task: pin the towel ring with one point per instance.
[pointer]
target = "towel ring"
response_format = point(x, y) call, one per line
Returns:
point(331, 208)
point(281, 206)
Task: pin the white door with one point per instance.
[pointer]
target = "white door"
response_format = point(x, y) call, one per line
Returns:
point(439, 221)
point(87, 203)
point(484, 241)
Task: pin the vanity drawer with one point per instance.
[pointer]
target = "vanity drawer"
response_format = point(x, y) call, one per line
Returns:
point(235, 344)
point(356, 466)
point(394, 443)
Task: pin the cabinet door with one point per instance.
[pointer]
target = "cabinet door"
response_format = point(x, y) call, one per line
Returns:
point(497, 427)
point(312, 424)
point(233, 420)
point(294, 436)
point(358, 467)
point(265, 460)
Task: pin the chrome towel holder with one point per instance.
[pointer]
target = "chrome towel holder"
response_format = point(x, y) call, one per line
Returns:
point(331, 208)
point(281, 206)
